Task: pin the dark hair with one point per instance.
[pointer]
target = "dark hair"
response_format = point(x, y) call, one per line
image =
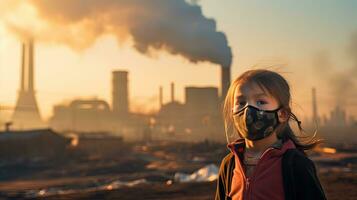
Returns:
point(276, 85)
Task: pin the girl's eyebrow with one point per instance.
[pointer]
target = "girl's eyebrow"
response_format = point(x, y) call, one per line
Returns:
point(259, 95)
point(241, 96)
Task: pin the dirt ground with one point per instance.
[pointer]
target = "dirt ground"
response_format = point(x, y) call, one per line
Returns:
point(156, 163)
point(337, 186)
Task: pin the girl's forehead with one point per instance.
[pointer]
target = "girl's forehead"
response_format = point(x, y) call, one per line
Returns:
point(249, 89)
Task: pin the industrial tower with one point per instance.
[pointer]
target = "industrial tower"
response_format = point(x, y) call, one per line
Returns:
point(26, 114)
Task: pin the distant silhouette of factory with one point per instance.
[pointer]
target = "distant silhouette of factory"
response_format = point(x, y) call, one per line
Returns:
point(198, 118)
point(338, 117)
point(338, 127)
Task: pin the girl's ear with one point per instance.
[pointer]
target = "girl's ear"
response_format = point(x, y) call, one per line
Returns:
point(283, 115)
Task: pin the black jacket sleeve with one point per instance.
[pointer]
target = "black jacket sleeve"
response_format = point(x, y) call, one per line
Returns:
point(222, 179)
point(300, 178)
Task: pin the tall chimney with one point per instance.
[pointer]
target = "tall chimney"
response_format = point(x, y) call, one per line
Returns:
point(172, 92)
point(120, 96)
point(225, 81)
point(315, 117)
point(31, 68)
point(23, 52)
point(161, 96)
point(26, 113)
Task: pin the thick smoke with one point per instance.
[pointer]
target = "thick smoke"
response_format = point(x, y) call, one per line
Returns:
point(342, 83)
point(175, 26)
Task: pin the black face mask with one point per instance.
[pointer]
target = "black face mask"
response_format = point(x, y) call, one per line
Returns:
point(255, 124)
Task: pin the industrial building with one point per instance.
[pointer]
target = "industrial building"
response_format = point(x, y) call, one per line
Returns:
point(91, 115)
point(198, 118)
point(96, 115)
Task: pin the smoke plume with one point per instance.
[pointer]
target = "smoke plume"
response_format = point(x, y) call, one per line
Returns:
point(175, 26)
point(342, 83)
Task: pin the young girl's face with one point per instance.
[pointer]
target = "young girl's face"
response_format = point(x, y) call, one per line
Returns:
point(252, 94)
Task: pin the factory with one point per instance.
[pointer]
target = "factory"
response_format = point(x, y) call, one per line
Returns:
point(197, 118)
point(96, 115)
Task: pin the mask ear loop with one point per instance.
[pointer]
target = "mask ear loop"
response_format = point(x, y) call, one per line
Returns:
point(279, 126)
point(238, 111)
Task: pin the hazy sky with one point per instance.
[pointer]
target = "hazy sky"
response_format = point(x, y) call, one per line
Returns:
point(289, 35)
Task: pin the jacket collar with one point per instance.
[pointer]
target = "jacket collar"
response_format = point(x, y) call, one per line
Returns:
point(238, 146)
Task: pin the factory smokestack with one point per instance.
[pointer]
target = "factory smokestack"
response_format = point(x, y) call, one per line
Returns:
point(31, 68)
point(22, 81)
point(120, 96)
point(225, 81)
point(161, 96)
point(172, 92)
point(26, 114)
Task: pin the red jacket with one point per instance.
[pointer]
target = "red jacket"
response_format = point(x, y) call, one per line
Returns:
point(266, 182)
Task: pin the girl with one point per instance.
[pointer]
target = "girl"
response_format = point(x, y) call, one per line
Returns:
point(269, 162)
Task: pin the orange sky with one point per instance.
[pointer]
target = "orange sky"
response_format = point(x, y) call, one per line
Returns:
point(273, 37)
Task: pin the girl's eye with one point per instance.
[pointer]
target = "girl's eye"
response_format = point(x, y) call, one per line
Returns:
point(238, 106)
point(261, 102)
point(242, 103)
